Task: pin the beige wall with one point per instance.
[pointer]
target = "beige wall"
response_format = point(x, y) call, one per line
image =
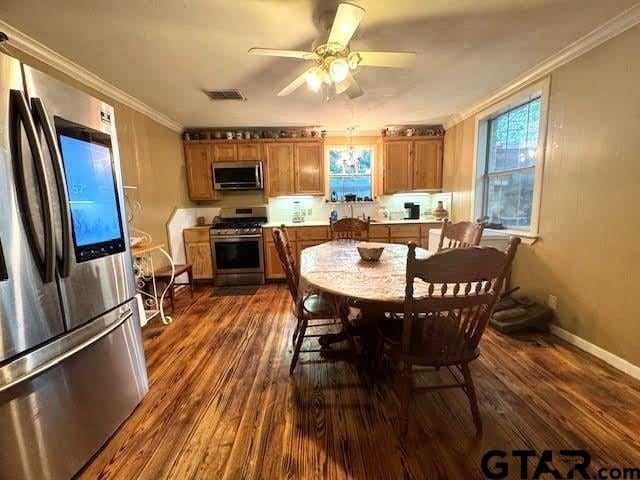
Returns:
point(588, 253)
point(151, 155)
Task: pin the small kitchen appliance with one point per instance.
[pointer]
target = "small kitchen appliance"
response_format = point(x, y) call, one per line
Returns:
point(411, 211)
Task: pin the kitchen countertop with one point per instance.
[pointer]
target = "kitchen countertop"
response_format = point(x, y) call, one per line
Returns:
point(325, 223)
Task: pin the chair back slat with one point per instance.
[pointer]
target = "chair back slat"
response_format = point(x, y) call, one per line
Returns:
point(287, 259)
point(350, 229)
point(444, 323)
point(460, 235)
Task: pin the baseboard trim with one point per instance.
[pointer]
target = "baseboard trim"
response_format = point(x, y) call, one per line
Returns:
point(598, 352)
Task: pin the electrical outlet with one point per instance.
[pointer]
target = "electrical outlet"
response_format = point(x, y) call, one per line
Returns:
point(552, 301)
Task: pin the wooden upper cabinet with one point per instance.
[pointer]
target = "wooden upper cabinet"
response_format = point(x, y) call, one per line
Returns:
point(199, 174)
point(309, 168)
point(225, 152)
point(249, 151)
point(427, 164)
point(279, 169)
point(397, 167)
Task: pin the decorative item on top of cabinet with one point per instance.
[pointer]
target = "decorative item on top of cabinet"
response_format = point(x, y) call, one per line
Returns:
point(198, 160)
point(412, 164)
point(197, 248)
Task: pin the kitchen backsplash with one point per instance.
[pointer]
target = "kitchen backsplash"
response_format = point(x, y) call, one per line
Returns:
point(315, 208)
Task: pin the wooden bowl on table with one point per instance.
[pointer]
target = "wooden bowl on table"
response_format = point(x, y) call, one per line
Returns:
point(370, 251)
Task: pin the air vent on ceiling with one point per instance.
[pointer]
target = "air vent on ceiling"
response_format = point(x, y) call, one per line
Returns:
point(225, 94)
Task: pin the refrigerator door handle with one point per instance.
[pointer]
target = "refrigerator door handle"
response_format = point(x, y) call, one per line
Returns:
point(4, 274)
point(9, 376)
point(19, 113)
point(41, 117)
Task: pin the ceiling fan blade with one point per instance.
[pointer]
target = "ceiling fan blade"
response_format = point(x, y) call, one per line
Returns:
point(349, 86)
point(348, 17)
point(293, 86)
point(272, 52)
point(388, 59)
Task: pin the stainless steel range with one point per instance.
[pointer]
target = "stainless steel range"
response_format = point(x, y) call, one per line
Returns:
point(236, 244)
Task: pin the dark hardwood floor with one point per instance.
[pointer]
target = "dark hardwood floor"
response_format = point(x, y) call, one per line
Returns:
point(222, 405)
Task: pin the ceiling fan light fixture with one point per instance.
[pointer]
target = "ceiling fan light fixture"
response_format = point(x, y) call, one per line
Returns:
point(354, 60)
point(339, 69)
point(314, 79)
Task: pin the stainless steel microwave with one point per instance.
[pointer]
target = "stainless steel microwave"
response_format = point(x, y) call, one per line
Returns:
point(238, 175)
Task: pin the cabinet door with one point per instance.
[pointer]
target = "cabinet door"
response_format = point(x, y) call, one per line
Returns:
point(397, 167)
point(279, 170)
point(199, 175)
point(427, 164)
point(272, 266)
point(225, 152)
point(309, 168)
point(199, 256)
point(249, 151)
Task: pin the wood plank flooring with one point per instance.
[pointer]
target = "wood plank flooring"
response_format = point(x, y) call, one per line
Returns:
point(222, 405)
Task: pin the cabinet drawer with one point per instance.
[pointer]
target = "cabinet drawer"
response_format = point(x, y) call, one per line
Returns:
point(267, 234)
point(378, 231)
point(312, 233)
point(379, 239)
point(396, 231)
point(196, 234)
point(405, 240)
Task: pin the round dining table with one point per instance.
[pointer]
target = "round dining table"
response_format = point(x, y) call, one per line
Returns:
point(336, 268)
point(373, 286)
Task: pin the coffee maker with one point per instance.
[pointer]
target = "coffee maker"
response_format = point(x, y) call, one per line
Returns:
point(411, 211)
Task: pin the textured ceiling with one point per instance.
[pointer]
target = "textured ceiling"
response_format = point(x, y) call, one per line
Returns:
point(165, 52)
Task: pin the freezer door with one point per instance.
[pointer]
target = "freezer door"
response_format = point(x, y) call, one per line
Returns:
point(30, 311)
point(80, 147)
point(60, 404)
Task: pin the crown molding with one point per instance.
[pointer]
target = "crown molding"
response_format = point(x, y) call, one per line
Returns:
point(617, 25)
point(36, 49)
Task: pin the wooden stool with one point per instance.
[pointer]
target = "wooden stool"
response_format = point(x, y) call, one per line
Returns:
point(164, 275)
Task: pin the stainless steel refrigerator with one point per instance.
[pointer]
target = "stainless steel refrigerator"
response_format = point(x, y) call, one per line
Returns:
point(72, 367)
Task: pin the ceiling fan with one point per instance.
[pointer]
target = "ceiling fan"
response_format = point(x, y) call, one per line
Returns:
point(334, 62)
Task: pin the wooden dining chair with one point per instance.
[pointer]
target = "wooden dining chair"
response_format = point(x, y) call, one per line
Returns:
point(306, 307)
point(350, 229)
point(449, 299)
point(460, 235)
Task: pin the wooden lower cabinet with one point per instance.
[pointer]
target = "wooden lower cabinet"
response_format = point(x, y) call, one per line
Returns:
point(197, 248)
point(272, 266)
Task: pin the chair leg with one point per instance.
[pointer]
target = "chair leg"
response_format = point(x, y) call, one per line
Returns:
point(295, 333)
point(346, 328)
point(296, 351)
point(405, 397)
point(471, 394)
point(190, 275)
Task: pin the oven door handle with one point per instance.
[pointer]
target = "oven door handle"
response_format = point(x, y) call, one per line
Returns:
point(235, 239)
